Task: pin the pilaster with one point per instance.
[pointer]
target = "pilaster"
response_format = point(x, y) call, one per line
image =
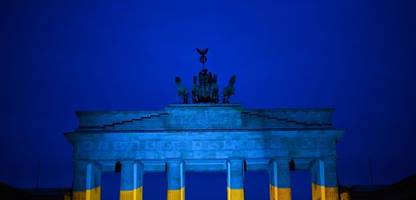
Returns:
point(131, 187)
point(87, 181)
point(235, 179)
point(279, 175)
point(176, 180)
point(324, 179)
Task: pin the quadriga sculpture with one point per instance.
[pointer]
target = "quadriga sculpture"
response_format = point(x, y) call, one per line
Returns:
point(205, 85)
point(182, 91)
point(229, 90)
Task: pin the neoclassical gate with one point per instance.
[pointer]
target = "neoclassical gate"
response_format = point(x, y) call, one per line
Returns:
point(205, 137)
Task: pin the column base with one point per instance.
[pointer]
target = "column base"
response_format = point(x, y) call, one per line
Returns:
point(176, 194)
point(136, 194)
point(91, 194)
point(278, 193)
point(320, 192)
point(235, 194)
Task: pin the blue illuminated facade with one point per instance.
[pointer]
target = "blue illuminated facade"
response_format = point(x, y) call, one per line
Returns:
point(205, 137)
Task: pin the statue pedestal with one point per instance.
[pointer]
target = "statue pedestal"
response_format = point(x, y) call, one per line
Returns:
point(205, 116)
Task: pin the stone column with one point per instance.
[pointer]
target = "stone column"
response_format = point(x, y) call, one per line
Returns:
point(235, 179)
point(324, 179)
point(87, 181)
point(176, 180)
point(279, 175)
point(131, 187)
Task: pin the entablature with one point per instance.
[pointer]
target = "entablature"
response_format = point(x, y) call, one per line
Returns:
point(199, 146)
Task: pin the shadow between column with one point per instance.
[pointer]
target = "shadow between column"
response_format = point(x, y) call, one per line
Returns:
point(154, 185)
point(206, 185)
point(300, 181)
point(256, 185)
point(110, 185)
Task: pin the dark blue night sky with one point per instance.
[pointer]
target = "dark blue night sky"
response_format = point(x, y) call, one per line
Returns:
point(357, 56)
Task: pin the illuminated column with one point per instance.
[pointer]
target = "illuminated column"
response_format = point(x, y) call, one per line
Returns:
point(176, 180)
point(87, 181)
point(324, 180)
point(279, 175)
point(131, 187)
point(235, 180)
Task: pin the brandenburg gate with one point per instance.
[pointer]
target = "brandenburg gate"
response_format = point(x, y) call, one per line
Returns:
point(205, 135)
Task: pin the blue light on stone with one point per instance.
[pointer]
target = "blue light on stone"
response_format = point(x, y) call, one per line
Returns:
point(209, 137)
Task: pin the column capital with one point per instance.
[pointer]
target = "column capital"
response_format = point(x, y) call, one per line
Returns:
point(130, 161)
point(280, 160)
point(174, 161)
point(327, 158)
point(235, 163)
point(83, 163)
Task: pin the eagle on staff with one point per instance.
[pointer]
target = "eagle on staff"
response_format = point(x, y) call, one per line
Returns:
point(203, 58)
